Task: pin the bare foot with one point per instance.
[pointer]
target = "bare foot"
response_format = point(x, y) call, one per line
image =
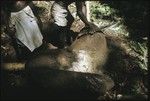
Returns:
point(50, 46)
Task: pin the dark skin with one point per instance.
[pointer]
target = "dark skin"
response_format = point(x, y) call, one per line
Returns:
point(81, 12)
point(65, 36)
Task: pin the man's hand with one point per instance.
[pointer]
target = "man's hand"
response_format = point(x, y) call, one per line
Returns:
point(92, 28)
point(89, 29)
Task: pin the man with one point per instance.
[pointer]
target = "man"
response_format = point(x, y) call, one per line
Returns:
point(63, 21)
point(22, 24)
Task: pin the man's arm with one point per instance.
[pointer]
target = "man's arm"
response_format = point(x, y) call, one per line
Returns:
point(81, 11)
point(11, 30)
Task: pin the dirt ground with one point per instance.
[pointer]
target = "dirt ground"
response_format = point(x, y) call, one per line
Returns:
point(120, 66)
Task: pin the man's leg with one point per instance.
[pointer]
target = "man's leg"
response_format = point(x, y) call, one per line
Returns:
point(23, 53)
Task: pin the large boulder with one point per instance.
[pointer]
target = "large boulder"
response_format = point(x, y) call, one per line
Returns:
point(90, 53)
point(76, 71)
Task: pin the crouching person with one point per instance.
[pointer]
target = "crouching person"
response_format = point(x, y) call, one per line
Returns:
point(62, 35)
point(23, 27)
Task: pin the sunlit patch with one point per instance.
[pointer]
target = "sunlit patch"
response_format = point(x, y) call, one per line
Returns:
point(83, 63)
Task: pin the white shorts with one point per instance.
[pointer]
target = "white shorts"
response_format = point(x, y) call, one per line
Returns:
point(27, 29)
point(59, 14)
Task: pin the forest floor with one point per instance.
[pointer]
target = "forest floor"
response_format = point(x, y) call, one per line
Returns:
point(131, 81)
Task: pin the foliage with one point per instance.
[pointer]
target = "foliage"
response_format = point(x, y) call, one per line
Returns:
point(141, 50)
point(101, 11)
point(130, 54)
point(128, 42)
